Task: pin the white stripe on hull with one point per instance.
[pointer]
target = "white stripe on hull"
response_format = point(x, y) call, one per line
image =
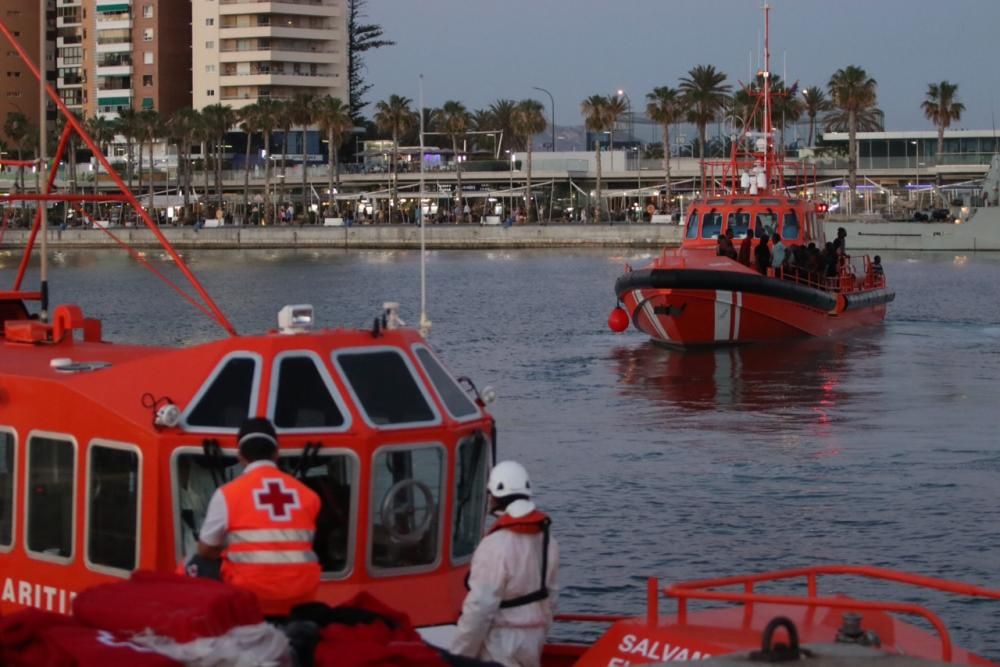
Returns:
point(647, 307)
point(723, 315)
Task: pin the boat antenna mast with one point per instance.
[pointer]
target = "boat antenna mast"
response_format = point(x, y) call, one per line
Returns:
point(425, 324)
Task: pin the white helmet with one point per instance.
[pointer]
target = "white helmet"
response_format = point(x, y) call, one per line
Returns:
point(509, 478)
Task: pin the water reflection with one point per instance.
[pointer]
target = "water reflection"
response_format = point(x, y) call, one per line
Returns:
point(791, 377)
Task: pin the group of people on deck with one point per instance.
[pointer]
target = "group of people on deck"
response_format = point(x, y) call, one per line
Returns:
point(800, 261)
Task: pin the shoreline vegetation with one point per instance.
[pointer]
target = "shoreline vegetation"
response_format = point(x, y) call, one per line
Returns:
point(636, 235)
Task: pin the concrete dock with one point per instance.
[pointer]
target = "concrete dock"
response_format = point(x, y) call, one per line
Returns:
point(619, 235)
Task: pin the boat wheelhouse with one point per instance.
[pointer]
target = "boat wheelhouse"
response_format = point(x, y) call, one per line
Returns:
point(110, 453)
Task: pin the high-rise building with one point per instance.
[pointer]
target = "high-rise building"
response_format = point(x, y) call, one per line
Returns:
point(246, 50)
point(18, 87)
point(137, 54)
point(69, 53)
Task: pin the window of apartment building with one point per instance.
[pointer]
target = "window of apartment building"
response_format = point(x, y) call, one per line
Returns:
point(209, 68)
point(211, 92)
point(209, 22)
point(147, 80)
point(147, 11)
point(147, 58)
point(210, 44)
point(147, 35)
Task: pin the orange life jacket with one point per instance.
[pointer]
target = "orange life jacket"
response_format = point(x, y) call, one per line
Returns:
point(271, 524)
point(531, 523)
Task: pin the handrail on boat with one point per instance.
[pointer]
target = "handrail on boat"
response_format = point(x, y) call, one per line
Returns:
point(698, 590)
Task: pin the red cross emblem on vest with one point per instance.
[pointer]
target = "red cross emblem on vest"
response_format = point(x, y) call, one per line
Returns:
point(276, 500)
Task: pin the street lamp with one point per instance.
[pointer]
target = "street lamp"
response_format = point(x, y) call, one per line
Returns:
point(552, 102)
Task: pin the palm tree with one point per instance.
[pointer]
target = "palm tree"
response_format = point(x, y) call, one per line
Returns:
point(666, 107)
point(102, 131)
point(598, 119)
point(814, 103)
point(284, 117)
point(502, 114)
point(941, 106)
point(150, 128)
point(453, 119)
point(334, 118)
point(482, 121)
point(219, 118)
point(395, 117)
point(268, 118)
point(128, 126)
point(181, 128)
point(871, 120)
point(249, 116)
point(303, 112)
point(18, 130)
point(204, 135)
point(852, 92)
point(786, 108)
point(705, 95)
point(617, 107)
point(529, 120)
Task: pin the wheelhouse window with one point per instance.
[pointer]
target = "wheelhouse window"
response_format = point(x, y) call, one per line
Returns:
point(455, 399)
point(51, 490)
point(113, 508)
point(790, 228)
point(692, 226)
point(739, 223)
point(711, 225)
point(7, 474)
point(767, 222)
point(333, 476)
point(227, 399)
point(471, 469)
point(303, 395)
point(385, 388)
point(405, 507)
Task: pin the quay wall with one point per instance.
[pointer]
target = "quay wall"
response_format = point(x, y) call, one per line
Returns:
point(369, 237)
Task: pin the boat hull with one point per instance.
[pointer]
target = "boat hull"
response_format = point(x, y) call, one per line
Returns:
point(696, 307)
point(980, 231)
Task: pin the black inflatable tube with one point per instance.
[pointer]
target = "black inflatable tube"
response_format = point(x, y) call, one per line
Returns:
point(869, 298)
point(733, 281)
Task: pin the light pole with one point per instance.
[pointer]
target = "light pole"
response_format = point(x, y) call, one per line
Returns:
point(552, 102)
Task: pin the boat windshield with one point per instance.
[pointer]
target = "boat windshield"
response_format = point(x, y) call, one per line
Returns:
point(790, 228)
point(692, 226)
point(767, 222)
point(711, 225)
point(333, 476)
point(6, 489)
point(739, 223)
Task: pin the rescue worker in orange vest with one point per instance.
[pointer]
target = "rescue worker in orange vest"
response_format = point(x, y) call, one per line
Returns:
point(262, 524)
point(512, 582)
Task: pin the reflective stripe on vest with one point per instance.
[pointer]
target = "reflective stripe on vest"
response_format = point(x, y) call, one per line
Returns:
point(272, 557)
point(269, 535)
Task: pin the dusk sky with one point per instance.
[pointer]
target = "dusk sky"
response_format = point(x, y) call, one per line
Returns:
point(477, 51)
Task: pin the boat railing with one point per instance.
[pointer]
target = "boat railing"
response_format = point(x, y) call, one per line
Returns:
point(847, 279)
point(704, 589)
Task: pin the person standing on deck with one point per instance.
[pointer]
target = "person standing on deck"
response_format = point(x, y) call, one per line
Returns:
point(745, 254)
point(512, 582)
point(262, 524)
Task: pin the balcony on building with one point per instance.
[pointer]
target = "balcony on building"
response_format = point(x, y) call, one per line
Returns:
point(296, 7)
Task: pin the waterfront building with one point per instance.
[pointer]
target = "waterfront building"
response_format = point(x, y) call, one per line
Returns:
point(246, 51)
point(918, 150)
point(136, 55)
point(18, 87)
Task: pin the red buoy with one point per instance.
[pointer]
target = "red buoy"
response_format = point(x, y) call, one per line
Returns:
point(618, 320)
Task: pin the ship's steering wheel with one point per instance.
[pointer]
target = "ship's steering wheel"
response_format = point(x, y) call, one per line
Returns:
point(400, 507)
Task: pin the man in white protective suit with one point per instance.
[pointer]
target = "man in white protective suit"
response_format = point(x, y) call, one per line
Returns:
point(512, 583)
